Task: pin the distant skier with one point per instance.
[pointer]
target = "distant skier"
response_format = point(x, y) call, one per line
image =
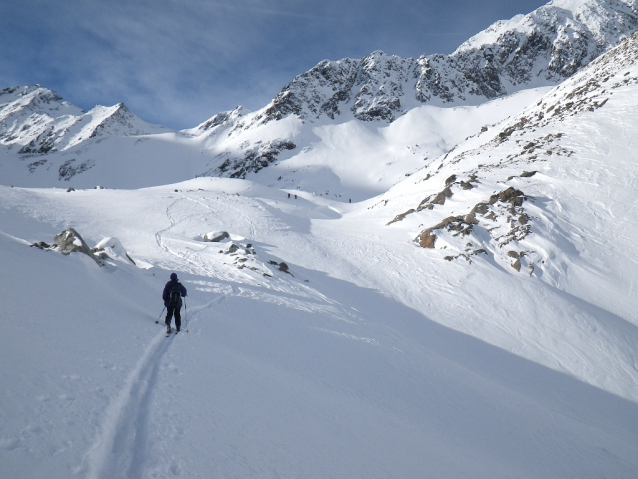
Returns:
point(172, 296)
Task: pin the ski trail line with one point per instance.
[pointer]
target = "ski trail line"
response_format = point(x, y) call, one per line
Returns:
point(196, 267)
point(193, 310)
point(120, 448)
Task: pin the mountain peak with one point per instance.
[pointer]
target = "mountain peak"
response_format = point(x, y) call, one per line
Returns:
point(539, 49)
point(223, 118)
point(37, 121)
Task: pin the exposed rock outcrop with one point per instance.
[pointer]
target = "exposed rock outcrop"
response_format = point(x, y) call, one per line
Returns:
point(255, 158)
point(501, 218)
point(67, 242)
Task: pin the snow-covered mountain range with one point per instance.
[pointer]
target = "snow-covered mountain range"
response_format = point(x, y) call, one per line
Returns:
point(41, 133)
point(397, 268)
point(38, 121)
point(542, 48)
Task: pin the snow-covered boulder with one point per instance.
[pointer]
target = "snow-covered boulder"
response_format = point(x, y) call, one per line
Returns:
point(69, 241)
point(112, 248)
point(216, 236)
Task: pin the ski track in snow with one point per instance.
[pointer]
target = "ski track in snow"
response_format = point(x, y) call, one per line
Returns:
point(120, 448)
point(195, 267)
point(159, 238)
point(295, 299)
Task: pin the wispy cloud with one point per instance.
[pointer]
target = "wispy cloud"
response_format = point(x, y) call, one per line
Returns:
point(268, 11)
point(178, 62)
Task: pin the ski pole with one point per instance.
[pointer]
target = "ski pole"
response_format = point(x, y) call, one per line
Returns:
point(157, 321)
point(185, 316)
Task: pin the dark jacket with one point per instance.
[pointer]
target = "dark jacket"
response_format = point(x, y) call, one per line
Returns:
point(167, 290)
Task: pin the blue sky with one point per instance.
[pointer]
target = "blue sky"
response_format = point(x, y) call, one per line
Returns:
point(179, 62)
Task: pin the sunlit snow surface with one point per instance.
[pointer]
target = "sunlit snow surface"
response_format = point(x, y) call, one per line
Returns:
point(375, 358)
point(370, 357)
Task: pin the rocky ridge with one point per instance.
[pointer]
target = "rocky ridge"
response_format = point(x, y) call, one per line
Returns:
point(542, 48)
point(499, 224)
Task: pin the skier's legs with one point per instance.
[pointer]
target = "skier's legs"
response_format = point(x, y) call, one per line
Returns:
point(178, 318)
point(169, 315)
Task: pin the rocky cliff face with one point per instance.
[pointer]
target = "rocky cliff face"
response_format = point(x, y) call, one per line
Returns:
point(542, 48)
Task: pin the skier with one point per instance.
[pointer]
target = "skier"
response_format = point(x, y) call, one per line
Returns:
point(172, 296)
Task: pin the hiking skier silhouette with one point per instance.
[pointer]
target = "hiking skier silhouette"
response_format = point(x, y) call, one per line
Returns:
point(172, 296)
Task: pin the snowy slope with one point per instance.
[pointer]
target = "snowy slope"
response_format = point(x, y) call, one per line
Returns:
point(571, 161)
point(318, 373)
point(352, 159)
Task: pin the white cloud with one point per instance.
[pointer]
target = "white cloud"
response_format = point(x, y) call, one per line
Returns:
point(180, 62)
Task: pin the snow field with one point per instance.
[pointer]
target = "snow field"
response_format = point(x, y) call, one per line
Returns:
point(386, 362)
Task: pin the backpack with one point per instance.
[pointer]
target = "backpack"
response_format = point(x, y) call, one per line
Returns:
point(175, 294)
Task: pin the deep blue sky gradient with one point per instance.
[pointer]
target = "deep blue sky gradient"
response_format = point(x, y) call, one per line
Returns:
point(178, 62)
